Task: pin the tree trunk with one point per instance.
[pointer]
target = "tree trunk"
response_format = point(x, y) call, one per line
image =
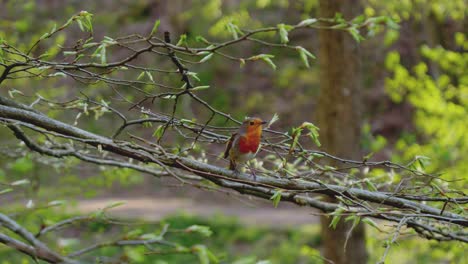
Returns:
point(339, 119)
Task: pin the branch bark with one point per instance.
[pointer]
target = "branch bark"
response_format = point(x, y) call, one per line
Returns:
point(293, 190)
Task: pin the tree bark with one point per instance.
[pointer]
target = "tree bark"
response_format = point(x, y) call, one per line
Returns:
point(339, 119)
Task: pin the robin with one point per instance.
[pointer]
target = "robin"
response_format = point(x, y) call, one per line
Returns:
point(244, 145)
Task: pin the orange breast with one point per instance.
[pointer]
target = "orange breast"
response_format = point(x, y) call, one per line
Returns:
point(249, 143)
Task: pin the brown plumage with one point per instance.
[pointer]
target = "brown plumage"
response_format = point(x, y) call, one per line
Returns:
point(243, 145)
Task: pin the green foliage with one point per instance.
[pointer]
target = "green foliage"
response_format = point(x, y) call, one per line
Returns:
point(231, 242)
point(276, 198)
point(404, 10)
point(441, 108)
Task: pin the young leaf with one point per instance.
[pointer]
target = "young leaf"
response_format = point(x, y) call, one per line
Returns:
point(201, 39)
point(103, 55)
point(370, 222)
point(207, 57)
point(296, 133)
point(423, 161)
point(193, 75)
point(203, 230)
point(158, 133)
point(336, 217)
point(276, 198)
point(7, 190)
point(283, 32)
point(307, 22)
point(20, 182)
point(57, 74)
point(150, 76)
point(68, 53)
point(182, 40)
point(202, 253)
point(370, 185)
point(368, 156)
point(355, 33)
point(313, 132)
point(234, 30)
point(198, 88)
point(242, 63)
point(155, 27)
point(45, 35)
point(266, 58)
point(303, 56)
point(141, 75)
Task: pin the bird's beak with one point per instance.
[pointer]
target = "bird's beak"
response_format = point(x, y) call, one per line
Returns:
point(263, 122)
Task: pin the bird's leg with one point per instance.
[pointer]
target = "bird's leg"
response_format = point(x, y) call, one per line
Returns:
point(252, 171)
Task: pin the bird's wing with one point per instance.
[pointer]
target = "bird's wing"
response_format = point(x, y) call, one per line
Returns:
point(229, 145)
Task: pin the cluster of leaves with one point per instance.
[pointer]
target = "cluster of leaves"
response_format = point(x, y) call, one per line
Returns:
point(438, 90)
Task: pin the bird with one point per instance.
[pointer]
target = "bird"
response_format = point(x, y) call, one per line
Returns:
point(243, 145)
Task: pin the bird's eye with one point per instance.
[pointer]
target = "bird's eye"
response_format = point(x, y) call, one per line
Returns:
point(251, 123)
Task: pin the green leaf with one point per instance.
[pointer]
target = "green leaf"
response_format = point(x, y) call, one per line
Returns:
point(370, 185)
point(206, 58)
point(355, 33)
point(84, 21)
point(423, 161)
point(270, 62)
point(202, 253)
point(313, 134)
point(45, 35)
point(150, 236)
point(193, 75)
point(266, 58)
point(158, 133)
point(155, 27)
point(57, 74)
point(370, 222)
point(68, 53)
point(7, 190)
point(283, 32)
point(336, 217)
point(234, 30)
point(368, 156)
point(296, 133)
point(437, 187)
point(242, 63)
point(203, 230)
point(140, 75)
point(136, 233)
point(317, 155)
point(150, 76)
point(20, 182)
point(169, 96)
point(307, 22)
point(201, 39)
point(276, 198)
point(356, 219)
point(103, 54)
point(303, 56)
point(198, 88)
point(182, 40)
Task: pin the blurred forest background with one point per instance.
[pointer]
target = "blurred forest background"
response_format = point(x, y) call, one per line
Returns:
point(415, 103)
